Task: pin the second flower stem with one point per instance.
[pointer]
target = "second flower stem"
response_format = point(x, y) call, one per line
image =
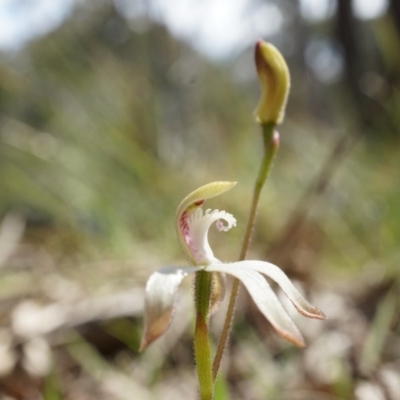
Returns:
point(271, 145)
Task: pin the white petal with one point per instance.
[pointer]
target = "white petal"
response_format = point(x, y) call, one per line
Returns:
point(264, 298)
point(161, 290)
point(275, 273)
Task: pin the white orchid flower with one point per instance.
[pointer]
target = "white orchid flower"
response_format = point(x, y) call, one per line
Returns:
point(192, 225)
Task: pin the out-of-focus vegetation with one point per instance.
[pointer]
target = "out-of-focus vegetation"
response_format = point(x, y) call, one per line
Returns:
point(107, 122)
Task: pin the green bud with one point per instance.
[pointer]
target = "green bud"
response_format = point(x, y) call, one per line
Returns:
point(274, 76)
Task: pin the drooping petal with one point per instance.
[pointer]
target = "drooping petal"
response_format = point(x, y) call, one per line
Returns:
point(161, 290)
point(264, 298)
point(275, 273)
point(189, 204)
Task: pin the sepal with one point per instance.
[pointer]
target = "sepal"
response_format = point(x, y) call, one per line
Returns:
point(161, 292)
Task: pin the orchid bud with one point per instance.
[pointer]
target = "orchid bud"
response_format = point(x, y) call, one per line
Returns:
point(275, 83)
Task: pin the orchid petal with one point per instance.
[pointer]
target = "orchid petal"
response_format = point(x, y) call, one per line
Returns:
point(264, 298)
point(161, 290)
point(190, 203)
point(275, 273)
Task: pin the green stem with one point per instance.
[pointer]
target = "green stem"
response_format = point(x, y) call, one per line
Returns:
point(271, 145)
point(202, 348)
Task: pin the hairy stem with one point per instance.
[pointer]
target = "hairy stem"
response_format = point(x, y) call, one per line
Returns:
point(202, 348)
point(271, 145)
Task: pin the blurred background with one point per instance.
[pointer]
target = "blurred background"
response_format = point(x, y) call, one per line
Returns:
point(112, 111)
